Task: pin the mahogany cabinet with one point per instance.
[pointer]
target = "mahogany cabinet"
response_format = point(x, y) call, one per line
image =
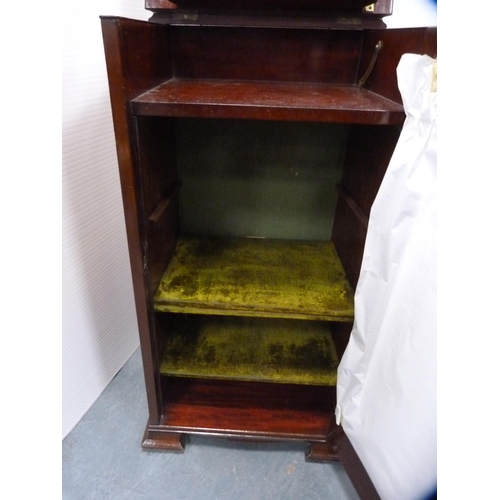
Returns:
point(251, 145)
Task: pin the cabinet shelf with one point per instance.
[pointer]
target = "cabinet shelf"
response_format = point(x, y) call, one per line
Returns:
point(268, 101)
point(256, 277)
point(251, 349)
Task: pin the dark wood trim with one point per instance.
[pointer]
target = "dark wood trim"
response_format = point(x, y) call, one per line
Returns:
point(164, 203)
point(354, 467)
point(252, 6)
point(268, 101)
point(354, 207)
point(321, 452)
point(255, 410)
point(123, 39)
point(368, 153)
point(396, 42)
point(274, 20)
point(165, 441)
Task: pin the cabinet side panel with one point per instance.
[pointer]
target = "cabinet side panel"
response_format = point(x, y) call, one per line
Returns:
point(348, 236)
point(396, 42)
point(156, 159)
point(368, 153)
point(145, 54)
point(136, 59)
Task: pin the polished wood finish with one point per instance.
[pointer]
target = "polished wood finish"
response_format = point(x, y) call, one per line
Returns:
point(166, 441)
point(368, 152)
point(232, 18)
point(268, 101)
point(322, 452)
point(280, 5)
point(129, 75)
point(159, 184)
point(270, 55)
point(293, 68)
point(315, 14)
point(396, 42)
point(354, 467)
point(248, 409)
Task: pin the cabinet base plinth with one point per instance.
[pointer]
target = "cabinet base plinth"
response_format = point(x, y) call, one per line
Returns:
point(322, 452)
point(164, 441)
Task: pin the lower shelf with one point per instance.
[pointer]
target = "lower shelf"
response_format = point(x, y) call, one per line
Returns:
point(253, 349)
point(248, 409)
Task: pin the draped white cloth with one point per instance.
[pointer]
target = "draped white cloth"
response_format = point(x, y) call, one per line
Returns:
point(386, 391)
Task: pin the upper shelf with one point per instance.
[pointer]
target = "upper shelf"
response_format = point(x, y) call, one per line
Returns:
point(268, 101)
point(256, 278)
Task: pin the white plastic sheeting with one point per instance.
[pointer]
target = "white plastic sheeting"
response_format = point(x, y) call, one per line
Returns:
point(386, 392)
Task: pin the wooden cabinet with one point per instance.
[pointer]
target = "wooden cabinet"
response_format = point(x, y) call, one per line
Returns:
point(249, 158)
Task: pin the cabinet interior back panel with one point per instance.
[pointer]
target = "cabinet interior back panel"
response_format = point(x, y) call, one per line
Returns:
point(261, 179)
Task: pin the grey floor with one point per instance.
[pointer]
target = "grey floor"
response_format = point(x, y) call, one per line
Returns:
point(103, 459)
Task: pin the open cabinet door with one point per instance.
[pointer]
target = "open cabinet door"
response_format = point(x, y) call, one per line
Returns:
point(386, 391)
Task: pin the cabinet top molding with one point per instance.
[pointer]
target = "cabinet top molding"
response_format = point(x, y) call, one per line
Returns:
point(251, 5)
point(338, 14)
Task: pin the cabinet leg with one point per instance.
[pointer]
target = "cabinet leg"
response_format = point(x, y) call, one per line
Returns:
point(322, 452)
point(163, 441)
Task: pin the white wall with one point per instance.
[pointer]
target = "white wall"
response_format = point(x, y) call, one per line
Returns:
point(412, 14)
point(99, 323)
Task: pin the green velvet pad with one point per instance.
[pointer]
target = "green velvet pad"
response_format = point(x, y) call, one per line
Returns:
point(255, 349)
point(256, 277)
